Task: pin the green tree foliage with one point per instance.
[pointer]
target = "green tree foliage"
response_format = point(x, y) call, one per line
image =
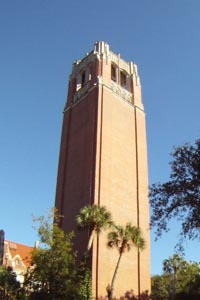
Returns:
point(192, 291)
point(94, 218)
point(180, 196)
point(174, 266)
point(9, 286)
point(159, 287)
point(52, 275)
point(123, 238)
point(84, 278)
point(180, 280)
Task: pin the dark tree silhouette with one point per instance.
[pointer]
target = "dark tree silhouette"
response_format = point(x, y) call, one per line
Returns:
point(179, 198)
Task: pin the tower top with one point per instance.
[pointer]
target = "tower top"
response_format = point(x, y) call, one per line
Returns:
point(102, 50)
point(105, 68)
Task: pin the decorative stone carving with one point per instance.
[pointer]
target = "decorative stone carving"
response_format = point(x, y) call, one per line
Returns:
point(117, 89)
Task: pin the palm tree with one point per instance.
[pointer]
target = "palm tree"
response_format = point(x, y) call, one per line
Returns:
point(95, 218)
point(123, 238)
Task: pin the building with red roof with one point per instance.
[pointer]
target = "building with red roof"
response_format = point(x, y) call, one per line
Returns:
point(15, 255)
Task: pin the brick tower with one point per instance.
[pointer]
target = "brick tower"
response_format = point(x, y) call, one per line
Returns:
point(103, 160)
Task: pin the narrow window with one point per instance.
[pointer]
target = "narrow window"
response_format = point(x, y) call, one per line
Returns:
point(123, 79)
point(113, 73)
point(87, 75)
point(83, 78)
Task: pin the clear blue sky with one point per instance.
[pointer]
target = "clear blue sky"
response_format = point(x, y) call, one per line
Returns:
point(39, 40)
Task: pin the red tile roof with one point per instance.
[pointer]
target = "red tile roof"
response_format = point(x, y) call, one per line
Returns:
point(24, 251)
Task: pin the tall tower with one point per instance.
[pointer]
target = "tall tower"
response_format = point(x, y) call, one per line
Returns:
point(103, 160)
